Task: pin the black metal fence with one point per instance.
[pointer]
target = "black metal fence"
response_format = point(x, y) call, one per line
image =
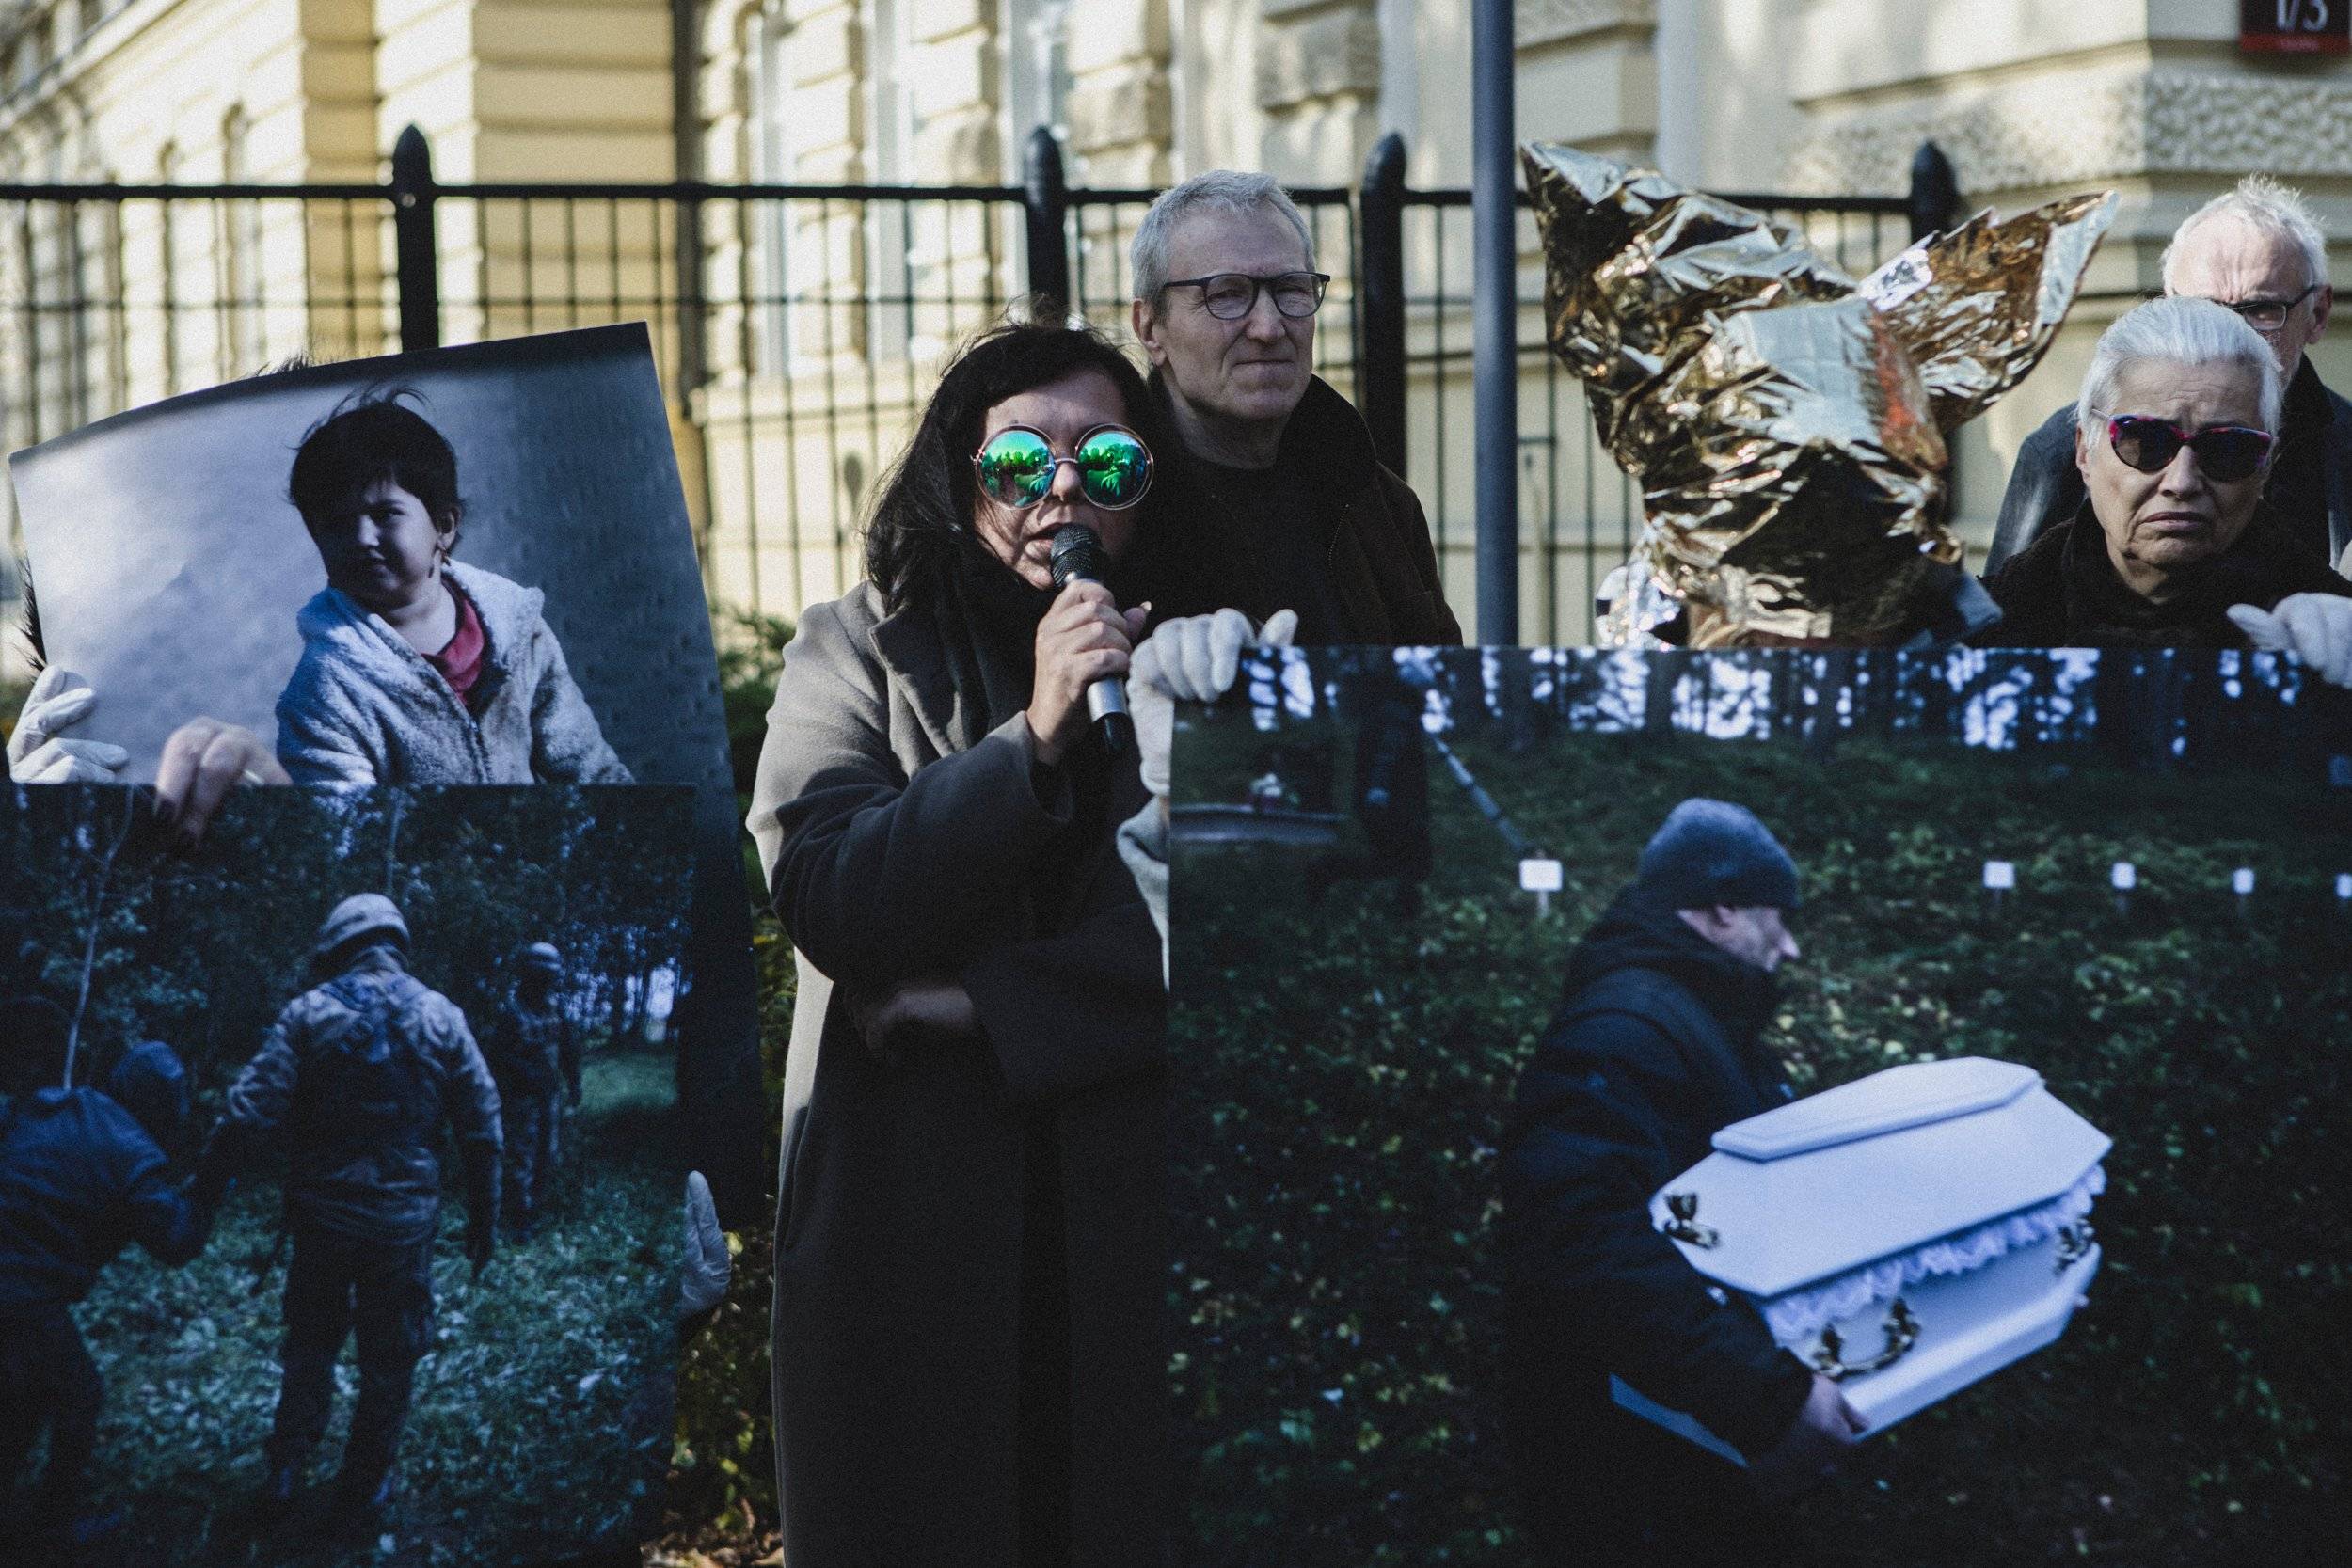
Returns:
point(797, 328)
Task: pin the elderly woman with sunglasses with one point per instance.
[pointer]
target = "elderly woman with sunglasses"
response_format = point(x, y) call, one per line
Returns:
point(2173, 545)
point(972, 1246)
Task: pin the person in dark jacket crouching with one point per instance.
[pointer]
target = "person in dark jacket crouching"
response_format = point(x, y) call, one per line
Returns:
point(2173, 545)
point(80, 1177)
point(1654, 1048)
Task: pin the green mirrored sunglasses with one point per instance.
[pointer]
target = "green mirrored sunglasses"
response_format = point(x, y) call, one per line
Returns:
point(1016, 467)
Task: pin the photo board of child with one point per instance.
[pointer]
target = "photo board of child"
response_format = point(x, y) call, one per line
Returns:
point(416, 666)
point(463, 565)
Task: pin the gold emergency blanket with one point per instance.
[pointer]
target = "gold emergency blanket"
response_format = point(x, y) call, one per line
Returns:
point(1785, 423)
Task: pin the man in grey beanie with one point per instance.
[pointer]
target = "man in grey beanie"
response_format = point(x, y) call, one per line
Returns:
point(1656, 1045)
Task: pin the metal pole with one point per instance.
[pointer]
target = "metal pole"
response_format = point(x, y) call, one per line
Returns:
point(416, 253)
point(1045, 194)
point(686, 123)
point(1494, 344)
point(1934, 194)
point(1380, 279)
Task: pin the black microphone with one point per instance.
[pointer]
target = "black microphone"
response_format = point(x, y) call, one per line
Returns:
point(1078, 558)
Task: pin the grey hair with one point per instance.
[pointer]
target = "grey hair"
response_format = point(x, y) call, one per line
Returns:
point(2177, 332)
point(2265, 206)
point(1220, 189)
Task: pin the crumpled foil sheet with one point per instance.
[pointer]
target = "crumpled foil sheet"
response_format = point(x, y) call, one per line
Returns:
point(1785, 423)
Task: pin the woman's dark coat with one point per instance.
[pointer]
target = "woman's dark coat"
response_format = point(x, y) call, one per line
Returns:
point(904, 833)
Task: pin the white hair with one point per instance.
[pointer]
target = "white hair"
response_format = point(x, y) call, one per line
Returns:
point(1219, 189)
point(2263, 205)
point(2176, 331)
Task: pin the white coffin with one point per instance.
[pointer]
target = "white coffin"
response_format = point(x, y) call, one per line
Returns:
point(1959, 1189)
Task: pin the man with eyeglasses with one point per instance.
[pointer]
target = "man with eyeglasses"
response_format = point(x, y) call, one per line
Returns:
point(2258, 251)
point(1293, 494)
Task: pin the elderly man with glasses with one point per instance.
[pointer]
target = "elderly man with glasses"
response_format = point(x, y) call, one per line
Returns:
point(2257, 251)
point(1289, 491)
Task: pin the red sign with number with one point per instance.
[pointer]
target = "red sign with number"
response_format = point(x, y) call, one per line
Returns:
point(2295, 26)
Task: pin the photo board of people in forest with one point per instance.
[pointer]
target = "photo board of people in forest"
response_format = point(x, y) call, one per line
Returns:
point(2130, 871)
point(383, 1086)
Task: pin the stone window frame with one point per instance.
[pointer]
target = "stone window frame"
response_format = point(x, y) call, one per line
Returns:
point(766, 26)
point(243, 279)
point(1036, 81)
point(885, 267)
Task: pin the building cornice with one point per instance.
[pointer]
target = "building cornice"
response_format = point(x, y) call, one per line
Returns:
point(1540, 21)
point(2066, 129)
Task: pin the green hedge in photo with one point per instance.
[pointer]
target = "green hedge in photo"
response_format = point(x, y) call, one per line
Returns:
point(1345, 1059)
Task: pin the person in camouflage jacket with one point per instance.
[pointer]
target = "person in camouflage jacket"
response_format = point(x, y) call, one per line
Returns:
point(534, 1052)
point(358, 1077)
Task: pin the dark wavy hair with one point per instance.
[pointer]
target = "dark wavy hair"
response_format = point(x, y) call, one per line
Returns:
point(923, 510)
point(374, 437)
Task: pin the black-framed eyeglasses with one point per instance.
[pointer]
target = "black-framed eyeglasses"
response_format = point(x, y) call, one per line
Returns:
point(1231, 295)
point(2268, 315)
point(2226, 452)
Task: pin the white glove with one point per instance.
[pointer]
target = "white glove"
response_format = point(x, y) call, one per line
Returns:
point(2315, 627)
point(1195, 658)
point(60, 699)
point(704, 1279)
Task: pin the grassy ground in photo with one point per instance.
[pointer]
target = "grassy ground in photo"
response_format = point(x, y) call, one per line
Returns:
point(539, 1418)
point(721, 1508)
point(1347, 1058)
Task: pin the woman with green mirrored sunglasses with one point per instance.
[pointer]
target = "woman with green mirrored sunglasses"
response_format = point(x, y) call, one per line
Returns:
point(972, 1235)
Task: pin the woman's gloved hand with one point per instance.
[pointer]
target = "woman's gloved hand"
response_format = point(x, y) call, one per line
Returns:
point(704, 1280)
point(2315, 627)
point(1196, 658)
point(37, 753)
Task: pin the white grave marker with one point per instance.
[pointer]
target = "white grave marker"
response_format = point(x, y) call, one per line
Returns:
point(1542, 879)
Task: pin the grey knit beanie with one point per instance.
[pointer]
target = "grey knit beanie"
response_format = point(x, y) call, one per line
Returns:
point(1710, 852)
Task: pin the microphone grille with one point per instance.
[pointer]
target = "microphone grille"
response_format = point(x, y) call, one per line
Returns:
point(1077, 555)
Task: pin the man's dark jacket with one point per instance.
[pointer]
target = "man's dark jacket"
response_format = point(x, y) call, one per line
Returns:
point(2064, 591)
point(2314, 472)
point(79, 1180)
point(1382, 563)
point(1655, 1047)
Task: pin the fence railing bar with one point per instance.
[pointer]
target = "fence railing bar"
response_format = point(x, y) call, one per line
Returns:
point(1402, 344)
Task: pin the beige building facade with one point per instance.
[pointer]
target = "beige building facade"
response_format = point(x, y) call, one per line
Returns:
point(815, 324)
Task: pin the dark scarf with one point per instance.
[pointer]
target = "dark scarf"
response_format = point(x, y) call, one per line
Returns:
point(2065, 590)
point(988, 617)
point(2099, 602)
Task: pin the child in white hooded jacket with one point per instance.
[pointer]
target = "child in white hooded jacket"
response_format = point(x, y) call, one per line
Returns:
point(417, 668)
